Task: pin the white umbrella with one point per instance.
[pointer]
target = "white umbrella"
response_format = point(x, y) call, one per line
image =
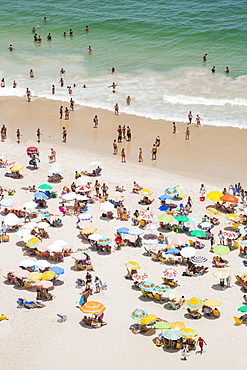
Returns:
point(135, 232)
point(171, 294)
point(151, 226)
point(95, 163)
point(55, 248)
point(95, 237)
point(23, 232)
point(43, 264)
point(29, 225)
point(11, 219)
point(6, 202)
point(28, 263)
point(149, 241)
point(85, 216)
point(69, 196)
point(27, 237)
point(81, 181)
point(30, 205)
point(42, 225)
point(107, 207)
point(188, 252)
point(60, 243)
point(56, 166)
point(81, 197)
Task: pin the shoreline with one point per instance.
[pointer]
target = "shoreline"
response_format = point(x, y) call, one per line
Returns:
point(212, 153)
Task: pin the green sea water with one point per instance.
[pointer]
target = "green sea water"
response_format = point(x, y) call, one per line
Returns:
point(155, 46)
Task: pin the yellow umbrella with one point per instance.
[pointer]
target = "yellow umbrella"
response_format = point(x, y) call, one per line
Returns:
point(145, 192)
point(148, 319)
point(178, 325)
point(89, 230)
point(133, 265)
point(93, 308)
point(213, 212)
point(194, 303)
point(33, 242)
point(17, 167)
point(189, 333)
point(232, 217)
point(34, 276)
point(244, 277)
point(47, 275)
point(212, 302)
point(215, 196)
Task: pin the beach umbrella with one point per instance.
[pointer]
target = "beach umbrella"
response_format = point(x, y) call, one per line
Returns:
point(133, 265)
point(172, 294)
point(221, 250)
point(43, 264)
point(243, 242)
point(178, 239)
point(55, 171)
point(212, 302)
point(147, 286)
point(33, 242)
point(162, 288)
point(172, 191)
point(181, 218)
point(107, 207)
point(162, 325)
point(40, 195)
point(145, 192)
point(22, 232)
point(84, 249)
point(57, 270)
point(17, 206)
point(89, 230)
point(85, 216)
point(42, 225)
point(29, 225)
point(21, 274)
point(30, 205)
point(45, 187)
point(78, 256)
point(81, 197)
point(148, 319)
point(172, 251)
point(229, 198)
point(12, 269)
point(215, 196)
point(140, 277)
point(95, 163)
point(166, 218)
point(83, 180)
point(48, 275)
point(243, 271)
point(151, 226)
point(205, 225)
point(193, 221)
point(104, 241)
point(156, 248)
point(84, 188)
point(194, 303)
point(199, 259)
point(27, 263)
point(188, 252)
point(198, 233)
point(135, 232)
point(44, 284)
point(149, 241)
point(53, 248)
point(189, 333)
point(165, 197)
point(242, 309)
point(138, 314)
point(164, 208)
point(17, 167)
point(34, 276)
point(6, 202)
point(170, 273)
point(244, 277)
point(27, 237)
point(172, 334)
point(230, 234)
point(95, 237)
point(118, 195)
point(178, 325)
point(56, 166)
point(69, 196)
point(221, 274)
point(123, 230)
point(231, 217)
point(43, 246)
point(93, 308)
point(60, 243)
point(147, 215)
point(11, 219)
point(213, 212)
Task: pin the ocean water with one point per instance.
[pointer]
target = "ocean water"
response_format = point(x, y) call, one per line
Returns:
point(155, 46)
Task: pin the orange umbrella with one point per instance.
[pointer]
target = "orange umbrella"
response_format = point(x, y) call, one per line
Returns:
point(229, 198)
point(93, 308)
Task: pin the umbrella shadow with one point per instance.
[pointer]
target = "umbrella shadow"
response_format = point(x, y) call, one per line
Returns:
point(218, 287)
point(171, 350)
point(149, 332)
point(20, 243)
point(188, 316)
point(31, 168)
point(229, 228)
point(135, 287)
point(150, 236)
point(58, 282)
point(144, 299)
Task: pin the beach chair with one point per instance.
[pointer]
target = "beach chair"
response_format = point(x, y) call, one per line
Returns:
point(171, 260)
point(150, 295)
point(239, 280)
point(238, 321)
point(144, 293)
point(173, 305)
point(28, 284)
point(163, 260)
point(157, 296)
point(61, 318)
point(79, 283)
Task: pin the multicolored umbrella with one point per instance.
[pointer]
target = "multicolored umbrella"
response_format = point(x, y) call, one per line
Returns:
point(145, 192)
point(84, 249)
point(221, 274)
point(140, 277)
point(104, 241)
point(170, 273)
point(147, 215)
point(172, 191)
point(189, 333)
point(172, 334)
point(213, 212)
point(194, 303)
point(230, 234)
point(148, 319)
point(93, 308)
point(138, 314)
point(221, 250)
point(133, 265)
point(33, 242)
point(231, 217)
point(162, 288)
point(147, 286)
point(57, 270)
point(199, 259)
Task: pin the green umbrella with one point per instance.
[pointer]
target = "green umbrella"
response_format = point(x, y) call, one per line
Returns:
point(242, 309)
point(198, 233)
point(166, 218)
point(221, 250)
point(243, 242)
point(162, 325)
point(182, 218)
point(193, 221)
point(172, 334)
point(45, 187)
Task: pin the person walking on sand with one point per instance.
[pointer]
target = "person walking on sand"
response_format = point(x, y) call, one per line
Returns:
point(95, 121)
point(61, 112)
point(116, 109)
point(66, 113)
point(187, 133)
point(140, 158)
point(174, 128)
point(201, 342)
point(124, 132)
point(190, 116)
point(4, 132)
point(38, 135)
point(154, 152)
point(119, 138)
point(198, 120)
point(18, 135)
point(115, 148)
point(64, 134)
point(123, 156)
point(128, 133)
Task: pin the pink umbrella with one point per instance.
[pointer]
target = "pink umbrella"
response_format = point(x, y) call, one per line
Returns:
point(170, 273)
point(22, 274)
point(78, 256)
point(43, 247)
point(84, 224)
point(156, 248)
point(12, 269)
point(179, 239)
point(17, 206)
point(44, 284)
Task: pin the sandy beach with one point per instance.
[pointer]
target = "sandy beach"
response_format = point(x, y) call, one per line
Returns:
point(215, 156)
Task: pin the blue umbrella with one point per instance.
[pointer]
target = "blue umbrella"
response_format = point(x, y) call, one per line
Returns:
point(163, 208)
point(165, 196)
point(172, 251)
point(40, 195)
point(146, 285)
point(57, 270)
point(123, 230)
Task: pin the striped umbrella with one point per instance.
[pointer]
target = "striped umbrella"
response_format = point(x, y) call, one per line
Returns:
point(145, 192)
point(199, 259)
point(194, 303)
point(138, 314)
point(162, 288)
point(93, 308)
point(84, 249)
point(189, 333)
point(172, 334)
point(133, 265)
point(104, 241)
point(85, 216)
point(147, 285)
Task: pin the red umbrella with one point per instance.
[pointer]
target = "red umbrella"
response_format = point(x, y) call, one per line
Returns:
point(32, 148)
point(229, 198)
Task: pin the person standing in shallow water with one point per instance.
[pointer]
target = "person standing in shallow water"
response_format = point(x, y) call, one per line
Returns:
point(174, 128)
point(61, 112)
point(18, 135)
point(187, 133)
point(64, 134)
point(190, 116)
